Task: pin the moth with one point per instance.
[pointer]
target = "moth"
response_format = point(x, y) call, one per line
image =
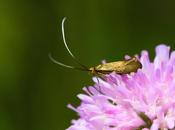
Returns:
point(119, 67)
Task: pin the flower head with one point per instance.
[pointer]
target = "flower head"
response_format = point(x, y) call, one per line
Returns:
point(142, 100)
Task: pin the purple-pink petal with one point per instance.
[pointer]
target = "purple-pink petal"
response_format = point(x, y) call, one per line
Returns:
point(115, 103)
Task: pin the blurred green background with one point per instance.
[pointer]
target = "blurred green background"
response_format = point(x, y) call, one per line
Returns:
point(34, 92)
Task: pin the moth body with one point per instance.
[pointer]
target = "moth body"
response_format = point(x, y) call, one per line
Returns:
point(120, 67)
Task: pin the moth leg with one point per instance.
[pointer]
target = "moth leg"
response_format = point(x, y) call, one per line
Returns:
point(101, 76)
point(89, 92)
point(97, 79)
point(96, 75)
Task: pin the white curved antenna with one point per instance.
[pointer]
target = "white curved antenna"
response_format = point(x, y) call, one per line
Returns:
point(64, 65)
point(64, 39)
point(59, 63)
point(67, 48)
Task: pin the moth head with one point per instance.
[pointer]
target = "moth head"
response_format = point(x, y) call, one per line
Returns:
point(92, 70)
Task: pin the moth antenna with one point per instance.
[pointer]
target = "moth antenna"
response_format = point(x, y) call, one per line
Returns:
point(59, 63)
point(64, 65)
point(67, 48)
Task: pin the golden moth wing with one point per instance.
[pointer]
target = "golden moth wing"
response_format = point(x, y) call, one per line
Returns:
point(110, 67)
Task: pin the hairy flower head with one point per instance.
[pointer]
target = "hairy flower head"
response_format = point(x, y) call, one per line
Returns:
point(144, 100)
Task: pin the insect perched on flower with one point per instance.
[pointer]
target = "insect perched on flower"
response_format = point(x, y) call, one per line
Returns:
point(119, 67)
point(142, 101)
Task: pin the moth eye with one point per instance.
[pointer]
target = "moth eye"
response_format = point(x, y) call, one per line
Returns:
point(112, 102)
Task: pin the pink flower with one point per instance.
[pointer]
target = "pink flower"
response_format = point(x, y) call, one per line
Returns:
point(144, 100)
